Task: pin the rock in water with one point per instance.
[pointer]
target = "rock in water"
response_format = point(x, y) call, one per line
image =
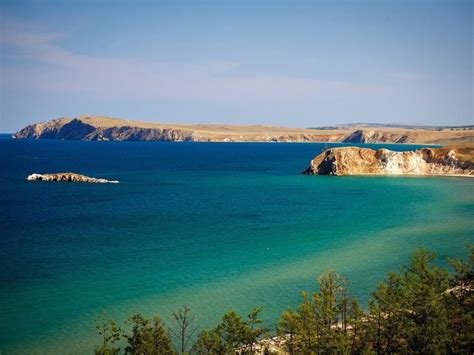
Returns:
point(68, 177)
point(365, 161)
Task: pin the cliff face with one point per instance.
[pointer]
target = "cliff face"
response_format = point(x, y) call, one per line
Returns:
point(364, 161)
point(106, 128)
point(91, 128)
point(370, 136)
point(76, 129)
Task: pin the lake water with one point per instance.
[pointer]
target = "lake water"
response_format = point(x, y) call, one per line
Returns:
point(216, 226)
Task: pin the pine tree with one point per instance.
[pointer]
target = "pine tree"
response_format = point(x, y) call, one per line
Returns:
point(308, 327)
point(390, 311)
point(232, 330)
point(331, 304)
point(425, 285)
point(421, 309)
point(148, 337)
point(288, 328)
point(231, 335)
point(460, 304)
point(359, 336)
point(110, 334)
point(321, 321)
point(209, 342)
point(252, 330)
point(185, 328)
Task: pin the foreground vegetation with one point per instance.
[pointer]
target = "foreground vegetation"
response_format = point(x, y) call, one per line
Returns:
point(423, 308)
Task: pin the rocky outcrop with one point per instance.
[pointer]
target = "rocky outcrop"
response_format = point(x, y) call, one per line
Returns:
point(364, 161)
point(68, 177)
point(358, 136)
point(112, 129)
point(96, 129)
point(76, 129)
point(370, 136)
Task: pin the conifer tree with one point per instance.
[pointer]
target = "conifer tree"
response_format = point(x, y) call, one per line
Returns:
point(185, 328)
point(148, 337)
point(331, 303)
point(421, 309)
point(110, 333)
point(460, 304)
point(288, 329)
point(252, 330)
point(359, 336)
point(232, 334)
point(425, 285)
point(389, 311)
point(308, 327)
point(209, 342)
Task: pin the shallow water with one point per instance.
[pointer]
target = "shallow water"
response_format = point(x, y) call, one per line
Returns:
point(217, 226)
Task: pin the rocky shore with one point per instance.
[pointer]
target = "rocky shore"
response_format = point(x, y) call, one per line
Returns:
point(68, 177)
point(76, 129)
point(450, 161)
point(97, 128)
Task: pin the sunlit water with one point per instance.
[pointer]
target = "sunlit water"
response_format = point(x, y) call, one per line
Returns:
point(214, 226)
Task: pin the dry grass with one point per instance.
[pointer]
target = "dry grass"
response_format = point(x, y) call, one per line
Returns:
point(464, 152)
point(205, 129)
point(221, 132)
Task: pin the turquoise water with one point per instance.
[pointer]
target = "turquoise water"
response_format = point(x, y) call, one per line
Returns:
point(214, 226)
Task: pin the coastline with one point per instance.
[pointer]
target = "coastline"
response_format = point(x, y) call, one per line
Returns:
point(113, 129)
point(453, 161)
point(341, 143)
point(404, 175)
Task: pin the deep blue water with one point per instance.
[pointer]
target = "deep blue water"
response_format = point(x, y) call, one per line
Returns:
point(212, 225)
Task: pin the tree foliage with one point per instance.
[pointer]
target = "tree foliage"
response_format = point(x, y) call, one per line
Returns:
point(232, 333)
point(423, 309)
point(185, 328)
point(148, 337)
point(460, 301)
point(110, 334)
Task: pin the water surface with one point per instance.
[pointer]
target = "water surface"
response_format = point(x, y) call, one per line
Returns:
point(217, 226)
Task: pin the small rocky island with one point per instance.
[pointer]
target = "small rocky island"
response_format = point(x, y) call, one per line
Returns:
point(449, 161)
point(68, 177)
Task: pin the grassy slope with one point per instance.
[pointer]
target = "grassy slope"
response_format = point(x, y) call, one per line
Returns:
point(252, 132)
point(464, 152)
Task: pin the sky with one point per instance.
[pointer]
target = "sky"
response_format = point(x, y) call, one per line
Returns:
point(292, 63)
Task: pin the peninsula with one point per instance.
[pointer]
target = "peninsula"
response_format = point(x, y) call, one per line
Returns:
point(113, 129)
point(450, 160)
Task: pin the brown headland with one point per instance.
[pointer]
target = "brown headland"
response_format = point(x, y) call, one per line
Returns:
point(456, 160)
point(106, 128)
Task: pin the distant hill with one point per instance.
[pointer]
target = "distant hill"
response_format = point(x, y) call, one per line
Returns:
point(390, 125)
point(113, 129)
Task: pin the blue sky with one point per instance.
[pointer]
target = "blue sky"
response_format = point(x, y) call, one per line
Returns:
point(293, 63)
